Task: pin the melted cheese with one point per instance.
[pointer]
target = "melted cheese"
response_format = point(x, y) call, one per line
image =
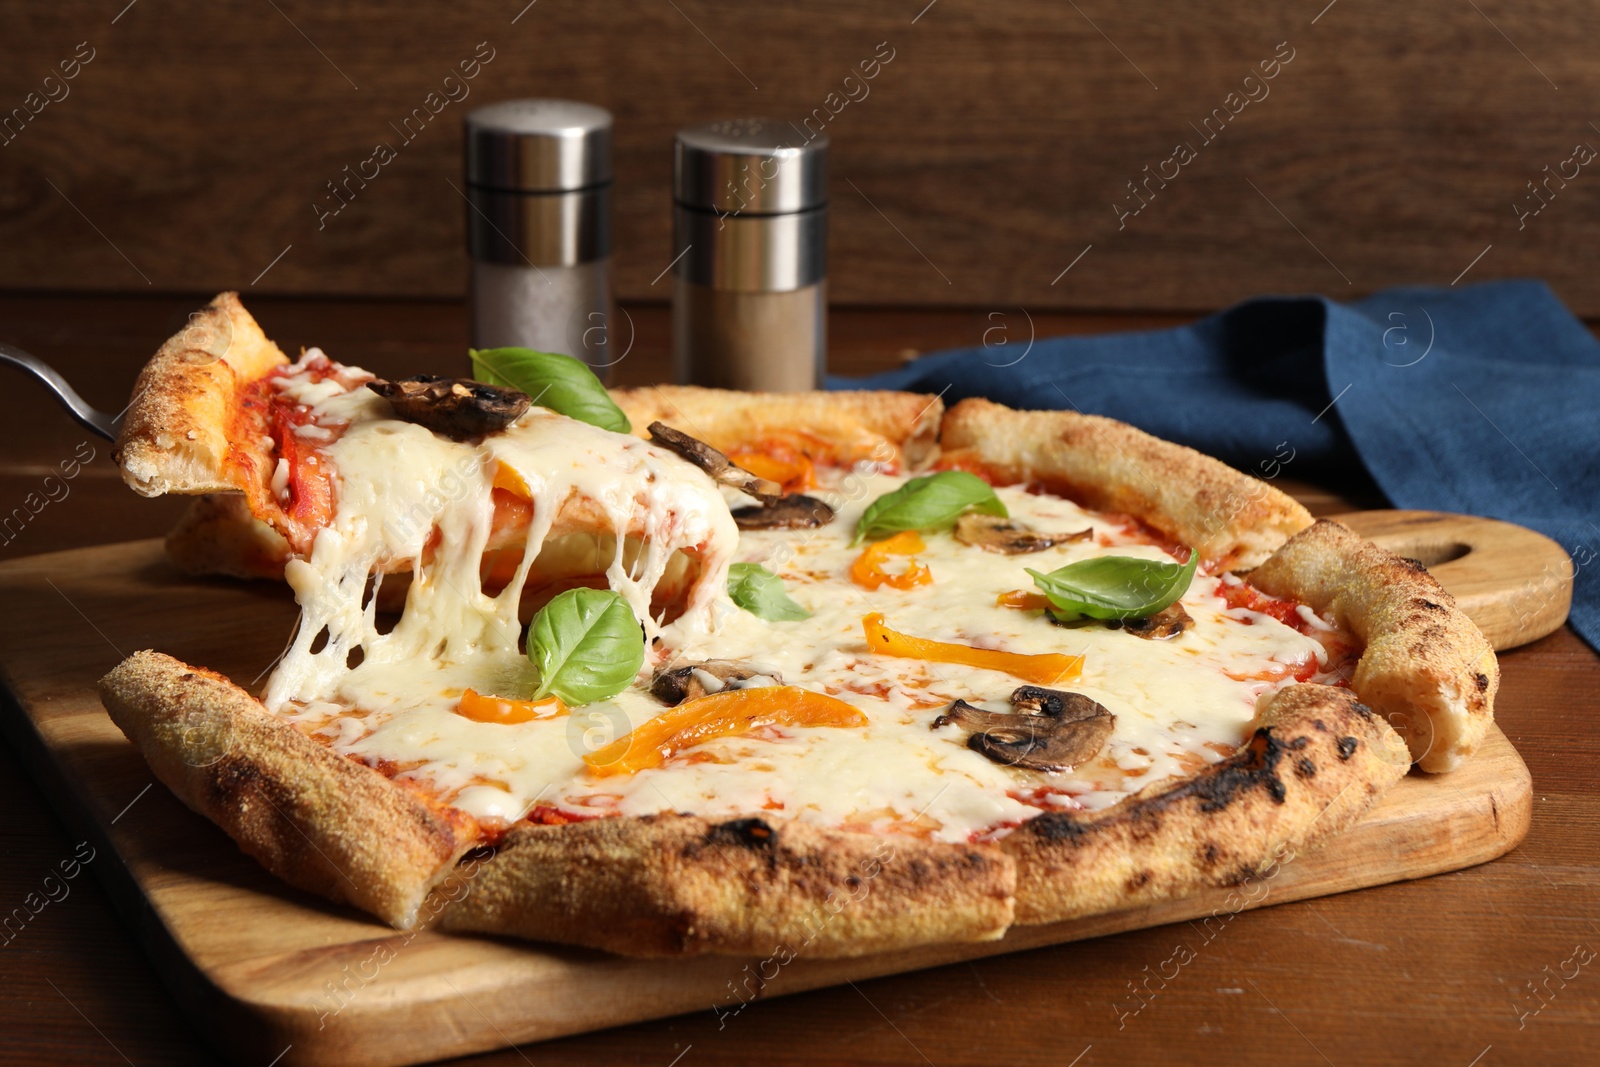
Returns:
point(406, 493)
point(402, 489)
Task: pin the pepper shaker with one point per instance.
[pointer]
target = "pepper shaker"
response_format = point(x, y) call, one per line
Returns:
point(750, 230)
point(539, 227)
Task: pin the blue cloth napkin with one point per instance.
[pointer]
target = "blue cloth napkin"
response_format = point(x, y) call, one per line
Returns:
point(1483, 400)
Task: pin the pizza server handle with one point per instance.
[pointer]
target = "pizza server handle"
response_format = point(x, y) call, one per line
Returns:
point(91, 418)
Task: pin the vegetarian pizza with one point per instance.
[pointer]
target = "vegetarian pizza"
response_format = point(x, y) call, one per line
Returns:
point(672, 670)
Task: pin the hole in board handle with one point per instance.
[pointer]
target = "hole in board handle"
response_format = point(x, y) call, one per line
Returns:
point(1430, 553)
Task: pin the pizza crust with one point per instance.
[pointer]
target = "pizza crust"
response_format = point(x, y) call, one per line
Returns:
point(1426, 667)
point(1230, 518)
point(1316, 762)
point(174, 438)
point(897, 429)
point(217, 534)
point(673, 885)
point(315, 819)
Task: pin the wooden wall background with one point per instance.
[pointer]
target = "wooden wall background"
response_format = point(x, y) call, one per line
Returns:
point(986, 157)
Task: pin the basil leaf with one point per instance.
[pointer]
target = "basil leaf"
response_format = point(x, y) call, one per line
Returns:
point(932, 502)
point(564, 385)
point(761, 593)
point(1115, 587)
point(587, 645)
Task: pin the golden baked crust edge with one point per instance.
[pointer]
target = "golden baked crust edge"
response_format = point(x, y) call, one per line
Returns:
point(217, 534)
point(1426, 667)
point(1230, 518)
point(317, 820)
point(888, 427)
point(1317, 761)
point(675, 884)
point(174, 437)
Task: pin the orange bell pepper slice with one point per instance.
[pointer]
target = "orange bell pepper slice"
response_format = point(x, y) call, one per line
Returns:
point(508, 479)
point(732, 711)
point(1048, 668)
point(480, 708)
point(867, 571)
point(1022, 600)
point(793, 470)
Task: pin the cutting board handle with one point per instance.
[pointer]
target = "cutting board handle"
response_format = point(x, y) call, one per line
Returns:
point(1515, 583)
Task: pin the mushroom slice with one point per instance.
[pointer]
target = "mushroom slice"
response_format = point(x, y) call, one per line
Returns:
point(1053, 731)
point(1039, 748)
point(1057, 703)
point(793, 512)
point(675, 685)
point(714, 463)
point(1164, 625)
point(1010, 536)
point(458, 408)
point(963, 714)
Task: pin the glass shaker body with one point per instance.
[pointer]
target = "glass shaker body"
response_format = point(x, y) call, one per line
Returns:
point(539, 228)
point(548, 309)
point(751, 310)
point(541, 272)
point(750, 226)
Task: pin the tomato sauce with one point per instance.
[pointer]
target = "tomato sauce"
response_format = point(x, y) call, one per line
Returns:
point(549, 815)
point(1245, 595)
point(265, 412)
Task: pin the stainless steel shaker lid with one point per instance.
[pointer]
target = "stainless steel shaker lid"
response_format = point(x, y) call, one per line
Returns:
point(750, 167)
point(538, 145)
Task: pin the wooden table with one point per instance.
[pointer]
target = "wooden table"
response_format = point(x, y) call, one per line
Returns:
point(1480, 967)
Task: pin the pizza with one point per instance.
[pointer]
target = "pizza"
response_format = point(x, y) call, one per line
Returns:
point(671, 670)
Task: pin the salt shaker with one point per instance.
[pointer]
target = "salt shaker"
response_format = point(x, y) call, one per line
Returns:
point(750, 233)
point(539, 227)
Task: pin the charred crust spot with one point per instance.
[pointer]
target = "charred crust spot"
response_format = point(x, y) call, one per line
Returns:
point(745, 833)
point(1413, 564)
point(1347, 747)
point(1058, 826)
point(236, 786)
point(1143, 824)
point(1481, 681)
point(234, 778)
point(1321, 726)
point(1210, 855)
point(1423, 602)
point(1253, 766)
point(1139, 880)
point(1240, 876)
point(1305, 768)
point(1298, 743)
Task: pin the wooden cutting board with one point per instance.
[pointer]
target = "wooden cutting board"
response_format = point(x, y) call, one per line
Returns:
point(274, 976)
